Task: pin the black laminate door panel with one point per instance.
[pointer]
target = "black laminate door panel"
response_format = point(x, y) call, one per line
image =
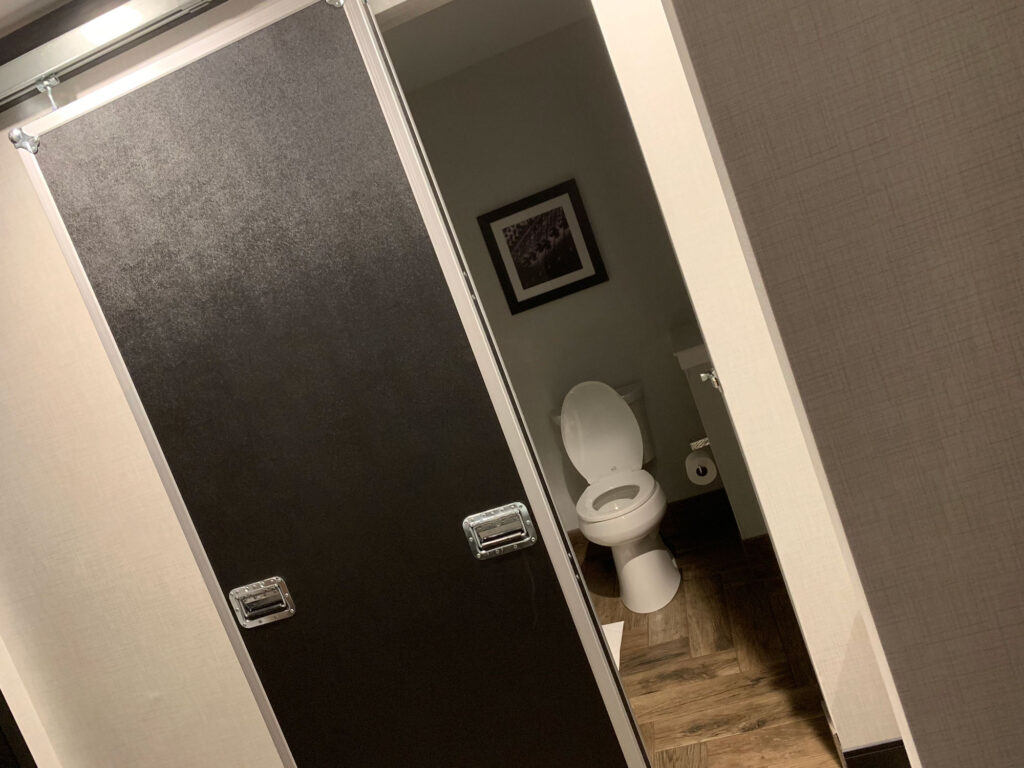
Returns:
point(14, 752)
point(256, 250)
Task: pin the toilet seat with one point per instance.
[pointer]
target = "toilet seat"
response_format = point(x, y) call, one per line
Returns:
point(591, 508)
point(599, 432)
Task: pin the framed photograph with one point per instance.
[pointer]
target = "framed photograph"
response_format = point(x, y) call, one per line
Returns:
point(542, 247)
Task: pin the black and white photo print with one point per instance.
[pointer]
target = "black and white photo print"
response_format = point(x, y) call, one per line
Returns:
point(542, 247)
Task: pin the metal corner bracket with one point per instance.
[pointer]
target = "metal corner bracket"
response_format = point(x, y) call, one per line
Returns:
point(22, 140)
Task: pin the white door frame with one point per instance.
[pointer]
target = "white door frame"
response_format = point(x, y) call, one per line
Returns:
point(652, 64)
point(463, 293)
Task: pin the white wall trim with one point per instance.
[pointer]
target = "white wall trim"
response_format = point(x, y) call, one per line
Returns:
point(653, 67)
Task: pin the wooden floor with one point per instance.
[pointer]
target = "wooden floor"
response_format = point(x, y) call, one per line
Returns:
point(720, 677)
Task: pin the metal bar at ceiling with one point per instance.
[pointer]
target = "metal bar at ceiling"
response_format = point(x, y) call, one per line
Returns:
point(69, 52)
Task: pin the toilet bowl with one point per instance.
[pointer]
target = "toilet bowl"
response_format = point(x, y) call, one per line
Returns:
point(623, 505)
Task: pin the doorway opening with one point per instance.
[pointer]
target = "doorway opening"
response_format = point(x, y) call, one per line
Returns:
point(521, 117)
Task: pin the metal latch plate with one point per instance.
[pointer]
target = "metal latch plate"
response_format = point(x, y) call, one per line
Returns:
point(262, 602)
point(499, 530)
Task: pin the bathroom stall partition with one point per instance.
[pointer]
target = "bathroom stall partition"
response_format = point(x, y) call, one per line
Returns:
point(259, 245)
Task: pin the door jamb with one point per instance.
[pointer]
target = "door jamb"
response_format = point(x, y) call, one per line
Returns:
point(652, 63)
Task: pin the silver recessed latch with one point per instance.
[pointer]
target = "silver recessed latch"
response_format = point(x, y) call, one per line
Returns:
point(262, 602)
point(499, 531)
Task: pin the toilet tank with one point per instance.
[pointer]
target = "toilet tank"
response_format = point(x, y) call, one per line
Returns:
point(633, 394)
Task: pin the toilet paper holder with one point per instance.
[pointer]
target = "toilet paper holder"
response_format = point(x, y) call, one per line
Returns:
point(704, 442)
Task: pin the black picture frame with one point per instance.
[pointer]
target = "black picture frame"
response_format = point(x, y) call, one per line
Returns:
point(542, 247)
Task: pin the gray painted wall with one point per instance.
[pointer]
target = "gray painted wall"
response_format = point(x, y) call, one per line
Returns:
point(517, 123)
point(877, 153)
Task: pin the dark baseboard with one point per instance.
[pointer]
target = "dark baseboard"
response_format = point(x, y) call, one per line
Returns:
point(891, 754)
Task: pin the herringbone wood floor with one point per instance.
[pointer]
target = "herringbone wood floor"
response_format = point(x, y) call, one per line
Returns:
point(720, 677)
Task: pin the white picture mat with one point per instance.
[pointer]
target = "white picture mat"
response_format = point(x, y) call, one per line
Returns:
point(564, 202)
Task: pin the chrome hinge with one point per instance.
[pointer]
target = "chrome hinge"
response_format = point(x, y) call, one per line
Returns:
point(712, 376)
point(22, 140)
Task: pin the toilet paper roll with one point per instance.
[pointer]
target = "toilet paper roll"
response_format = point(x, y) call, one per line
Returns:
point(701, 468)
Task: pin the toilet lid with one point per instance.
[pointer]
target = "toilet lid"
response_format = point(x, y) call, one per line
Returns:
point(599, 431)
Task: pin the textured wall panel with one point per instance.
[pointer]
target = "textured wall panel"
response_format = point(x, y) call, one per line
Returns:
point(256, 249)
point(877, 152)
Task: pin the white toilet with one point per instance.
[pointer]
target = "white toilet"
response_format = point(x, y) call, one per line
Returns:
point(623, 505)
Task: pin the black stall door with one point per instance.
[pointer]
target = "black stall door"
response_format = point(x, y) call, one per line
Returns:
point(256, 250)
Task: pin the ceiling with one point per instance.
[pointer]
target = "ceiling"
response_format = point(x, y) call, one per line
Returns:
point(18, 13)
point(461, 33)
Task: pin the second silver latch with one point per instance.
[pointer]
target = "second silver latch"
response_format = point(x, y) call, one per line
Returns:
point(499, 530)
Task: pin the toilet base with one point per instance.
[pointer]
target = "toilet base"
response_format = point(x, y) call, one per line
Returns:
point(648, 576)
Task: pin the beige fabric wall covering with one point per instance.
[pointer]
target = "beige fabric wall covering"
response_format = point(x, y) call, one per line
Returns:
point(102, 607)
point(877, 153)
